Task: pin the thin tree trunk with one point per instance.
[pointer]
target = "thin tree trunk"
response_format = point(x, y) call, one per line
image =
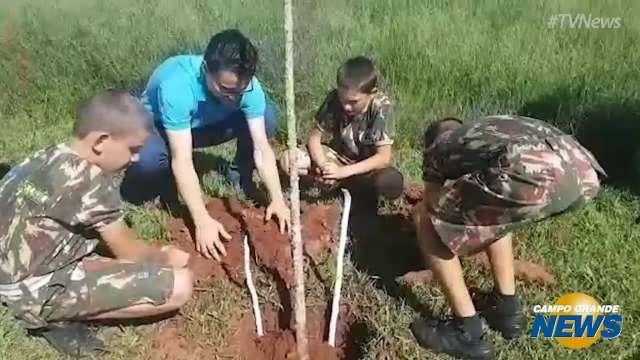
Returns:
point(296, 238)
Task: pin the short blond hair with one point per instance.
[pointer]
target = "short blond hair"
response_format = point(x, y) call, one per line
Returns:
point(115, 112)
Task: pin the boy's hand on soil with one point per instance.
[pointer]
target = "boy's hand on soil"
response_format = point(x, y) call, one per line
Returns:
point(208, 242)
point(175, 257)
point(332, 171)
point(328, 182)
point(281, 211)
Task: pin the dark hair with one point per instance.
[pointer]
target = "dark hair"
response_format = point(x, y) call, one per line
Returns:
point(358, 73)
point(389, 183)
point(115, 112)
point(231, 50)
point(437, 127)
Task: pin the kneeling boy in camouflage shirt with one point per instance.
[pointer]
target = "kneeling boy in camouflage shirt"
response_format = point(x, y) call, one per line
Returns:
point(352, 141)
point(57, 207)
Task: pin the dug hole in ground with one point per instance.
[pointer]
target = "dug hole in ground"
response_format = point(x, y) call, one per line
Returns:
point(272, 255)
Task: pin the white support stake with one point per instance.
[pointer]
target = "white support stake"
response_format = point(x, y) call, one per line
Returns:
point(335, 307)
point(252, 288)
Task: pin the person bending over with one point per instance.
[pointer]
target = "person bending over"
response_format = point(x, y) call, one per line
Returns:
point(484, 179)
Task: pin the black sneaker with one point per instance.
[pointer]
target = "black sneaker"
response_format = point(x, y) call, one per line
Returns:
point(72, 338)
point(503, 313)
point(451, 337)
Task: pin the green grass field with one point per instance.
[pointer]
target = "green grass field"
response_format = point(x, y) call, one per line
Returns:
point(460, 58)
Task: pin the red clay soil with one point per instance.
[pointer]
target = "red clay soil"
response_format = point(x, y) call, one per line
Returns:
point(413, 192)
point(271, 248)
point(280, 344)
point(273, 252)
point(524, 270)
point(169, 344)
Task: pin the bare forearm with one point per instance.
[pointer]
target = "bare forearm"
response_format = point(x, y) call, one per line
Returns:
point(431, 194)
point(147, 253)
point(189, 189)
point(124, 244)
point(266, 164)
point(315, 150)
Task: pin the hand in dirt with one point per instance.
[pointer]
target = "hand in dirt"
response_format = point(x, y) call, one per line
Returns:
point(328, 182)
point(208, 242)
point(332, 171)
point(175, 257)
point(281, 211)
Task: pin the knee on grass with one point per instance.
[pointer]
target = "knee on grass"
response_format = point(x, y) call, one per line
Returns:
point(182, 288)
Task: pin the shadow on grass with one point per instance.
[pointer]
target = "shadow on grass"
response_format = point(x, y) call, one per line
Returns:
point(135, 322)
point(4, 169)
point(635, 356)
point(136, 190)
point(385, 247)
point(205, 162)
point(610, 130)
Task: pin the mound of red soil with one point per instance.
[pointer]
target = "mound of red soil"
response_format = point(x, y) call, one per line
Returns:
point(272, 249)
point(279, 343)
point(524, 270)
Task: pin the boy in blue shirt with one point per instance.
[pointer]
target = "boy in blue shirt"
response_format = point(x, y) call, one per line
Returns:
point(199, 101)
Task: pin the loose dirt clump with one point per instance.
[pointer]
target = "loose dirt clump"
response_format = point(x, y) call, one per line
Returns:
point(272, 252)
point(413, 192)
point(271, 248)
point(170, 344)
point(279, 343)
point(524, 270)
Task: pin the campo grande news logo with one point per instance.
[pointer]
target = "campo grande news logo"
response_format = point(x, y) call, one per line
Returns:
point(577, 321)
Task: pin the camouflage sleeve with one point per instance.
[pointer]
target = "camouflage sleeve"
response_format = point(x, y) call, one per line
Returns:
point(431, 169)
point(326, 116)
point(384, 123)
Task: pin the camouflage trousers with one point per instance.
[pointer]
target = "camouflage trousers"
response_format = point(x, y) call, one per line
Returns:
point(528, 184)
point(91, 286)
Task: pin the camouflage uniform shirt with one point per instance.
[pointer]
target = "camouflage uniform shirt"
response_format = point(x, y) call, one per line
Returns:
point(356, 138)
point(501, 172)
point(52, 207)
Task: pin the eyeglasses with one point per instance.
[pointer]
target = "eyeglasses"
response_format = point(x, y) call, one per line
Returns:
point(232, 92)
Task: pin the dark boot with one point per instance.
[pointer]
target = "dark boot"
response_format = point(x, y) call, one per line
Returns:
point(503, 313)
point(72, 338)
point(459, 337)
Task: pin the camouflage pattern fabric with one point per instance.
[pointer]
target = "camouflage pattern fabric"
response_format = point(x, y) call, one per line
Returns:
point(304, 159)
point(356, 138)
point(53, 206)
point(91, 286)
point(501, 172)
point(378, 182)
